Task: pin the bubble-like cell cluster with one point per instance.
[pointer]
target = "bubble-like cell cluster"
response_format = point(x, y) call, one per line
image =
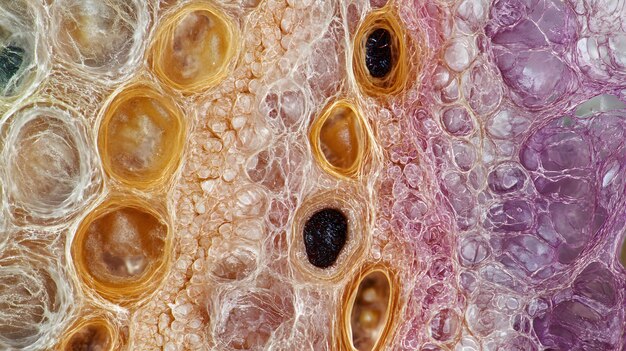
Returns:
point(363, 175)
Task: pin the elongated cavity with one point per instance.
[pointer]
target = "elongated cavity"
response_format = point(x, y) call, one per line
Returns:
point(341, 138)
point(370, 311)
point(325, 234)
point(378, 55)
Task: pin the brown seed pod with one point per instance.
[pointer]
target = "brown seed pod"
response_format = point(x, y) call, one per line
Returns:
point(350, 202)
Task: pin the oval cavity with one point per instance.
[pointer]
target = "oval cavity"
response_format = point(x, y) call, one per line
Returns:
point(194, 47)
point(370, 311)
point(99, 34)
point(121, 248)
point(339, 139)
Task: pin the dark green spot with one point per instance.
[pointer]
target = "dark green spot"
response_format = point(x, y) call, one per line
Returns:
point(11, 58)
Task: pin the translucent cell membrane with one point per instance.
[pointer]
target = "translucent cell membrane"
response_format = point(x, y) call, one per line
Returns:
point(34, 300)
point(339, 141)
point(50, 168)
point(194, 47)
point(141, 137)
point(121, 249)
point(101, 37)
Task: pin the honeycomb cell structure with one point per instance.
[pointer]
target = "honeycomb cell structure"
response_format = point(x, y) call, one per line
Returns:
point(315, 175)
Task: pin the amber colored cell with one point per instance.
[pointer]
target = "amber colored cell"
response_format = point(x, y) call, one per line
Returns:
point(141, 137)
point(121, 248)
point(94, 335)
point(339, 140)
point(368, 311)
point(380, 61)
point(194, 47)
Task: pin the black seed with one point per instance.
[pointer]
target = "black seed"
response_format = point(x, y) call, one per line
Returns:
point(378, 56)
point(325, 235)
point(11, 58)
